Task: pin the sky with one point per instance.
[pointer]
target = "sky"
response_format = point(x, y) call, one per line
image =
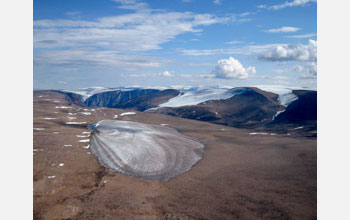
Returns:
point(113, 43)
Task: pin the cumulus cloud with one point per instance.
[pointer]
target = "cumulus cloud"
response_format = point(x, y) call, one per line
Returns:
point(232, 69)
point(292, 52)
point(165, 74)
point(293, 3)
point(283, 30)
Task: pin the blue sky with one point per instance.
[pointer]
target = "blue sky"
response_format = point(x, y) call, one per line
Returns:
point(112, 43)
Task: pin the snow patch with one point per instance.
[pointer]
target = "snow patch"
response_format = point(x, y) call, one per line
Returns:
point(63, 107)
point(83, 136)
point(39, 129)
point(257, 133)
point(75, 123)
point(84, 140)
point(128, 113)
point(51, 177)
point(50, 118)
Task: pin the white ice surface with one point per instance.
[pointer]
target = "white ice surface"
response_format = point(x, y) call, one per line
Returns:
point(67, 145)
point(143, 150)
point(285, 94)
point(198, 95)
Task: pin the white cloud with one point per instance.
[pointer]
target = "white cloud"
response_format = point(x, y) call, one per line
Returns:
point(165, 74)
point(131, 4)
point(293, 3)
point(93, 58)
point(302, 36)
point(217, 2)
point(140, 31)
point(283, 30)
point(309, 70)
point(296, 52)
point(243, 50)
point(232, 69)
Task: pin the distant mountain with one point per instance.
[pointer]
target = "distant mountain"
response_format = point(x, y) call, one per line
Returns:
point(266, 107)
point(246, 108)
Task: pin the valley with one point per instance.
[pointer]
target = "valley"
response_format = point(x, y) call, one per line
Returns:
point(246, 172)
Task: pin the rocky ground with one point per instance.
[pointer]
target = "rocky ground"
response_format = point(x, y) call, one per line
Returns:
point(244, 174)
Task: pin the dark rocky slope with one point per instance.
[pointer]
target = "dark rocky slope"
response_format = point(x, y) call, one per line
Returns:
point(250, 108)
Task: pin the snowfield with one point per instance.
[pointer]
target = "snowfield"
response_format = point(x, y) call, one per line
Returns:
point(199, 95)
point(144, 150)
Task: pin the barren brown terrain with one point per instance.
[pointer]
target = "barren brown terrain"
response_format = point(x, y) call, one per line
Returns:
point(241, 175)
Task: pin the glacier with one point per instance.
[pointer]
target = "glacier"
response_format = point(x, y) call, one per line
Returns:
point(144, 150)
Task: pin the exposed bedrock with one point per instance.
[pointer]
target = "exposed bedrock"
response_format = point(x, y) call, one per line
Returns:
point(144, 150)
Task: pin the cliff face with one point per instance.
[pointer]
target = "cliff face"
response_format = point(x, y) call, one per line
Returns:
point(149, 100)
point(115, 99)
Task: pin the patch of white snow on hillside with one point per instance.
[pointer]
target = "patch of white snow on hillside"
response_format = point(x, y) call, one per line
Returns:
point(84, 113)
point(128, 113)
point(39, 129)
point(49, 118)
point(75, 123)
point(67, 145)
point(83, 136)
point(51, 177)
point(63, 107)
point(257, 133)
point(277, 113)
point(85, 140)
